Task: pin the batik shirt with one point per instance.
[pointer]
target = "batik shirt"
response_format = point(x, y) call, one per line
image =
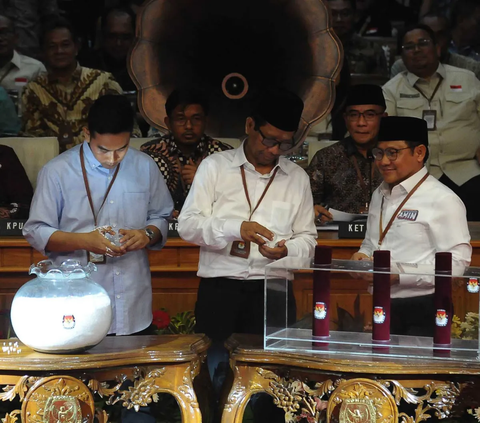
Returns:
point(170, 161)
point(334, 179)
point(54, 109)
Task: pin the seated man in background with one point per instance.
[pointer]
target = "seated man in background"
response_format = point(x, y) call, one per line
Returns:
point(465, 18)
point(16, 191)
point(57, 103)
point(441, 28)
point(448, 98)
point(363, 56)
point(342, 176)
point(118, 33)
point(179, 153)
point(15, 68)
point(416, 210)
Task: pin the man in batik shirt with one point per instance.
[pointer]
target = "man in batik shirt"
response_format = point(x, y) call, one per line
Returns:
point(179, 152)
point(342, 175)
point(56, 104)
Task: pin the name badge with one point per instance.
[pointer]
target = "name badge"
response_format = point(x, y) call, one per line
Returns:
point(240, 249)
point(430, 116)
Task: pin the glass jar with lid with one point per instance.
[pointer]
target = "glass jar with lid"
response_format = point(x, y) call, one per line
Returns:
point(62, 310)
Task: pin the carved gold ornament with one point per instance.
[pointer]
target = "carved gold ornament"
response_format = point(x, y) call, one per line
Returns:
point(55, 399)
point(356, 400)
point(62, 409)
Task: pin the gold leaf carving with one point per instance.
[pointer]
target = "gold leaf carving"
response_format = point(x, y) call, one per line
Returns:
point(20, 389)
point(295, 397)
point(61, 388)
point(101, 416)
point(439, 397)
point(11, 417)
point(236, 393)
point(187, 388)
point(102, 388)
point(143, 390)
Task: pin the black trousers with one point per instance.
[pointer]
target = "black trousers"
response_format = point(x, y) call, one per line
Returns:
point(469, 193)
point(413, 316)
point(225, 306)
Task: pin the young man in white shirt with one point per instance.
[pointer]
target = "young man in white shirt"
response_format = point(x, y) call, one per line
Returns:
point(431, 219)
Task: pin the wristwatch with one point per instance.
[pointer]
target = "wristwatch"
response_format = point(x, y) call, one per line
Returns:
point(150, 234)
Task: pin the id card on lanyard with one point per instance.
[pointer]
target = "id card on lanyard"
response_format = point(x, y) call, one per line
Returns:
point(430, 116)
point(94, 257)
point(242, 248)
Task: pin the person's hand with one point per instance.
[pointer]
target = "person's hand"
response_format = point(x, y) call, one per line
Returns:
point(251, 231)
point(133, 239)
point(275, 253)
point(96, 242)
point(188, 171)
point(322, 215)
point(4, 213)
point(360, 256)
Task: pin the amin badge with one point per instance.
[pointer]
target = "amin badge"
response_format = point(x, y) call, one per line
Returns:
point(320, 311)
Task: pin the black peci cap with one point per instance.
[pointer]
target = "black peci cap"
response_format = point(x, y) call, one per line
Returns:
point(403, 128)
point(281, 109)
point(365, 94)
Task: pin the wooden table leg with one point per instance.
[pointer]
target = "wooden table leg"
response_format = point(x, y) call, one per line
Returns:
point(247, 382)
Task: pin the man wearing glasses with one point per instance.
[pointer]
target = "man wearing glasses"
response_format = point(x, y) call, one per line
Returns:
point(179, 152)
point(414, 216)
point(448, 99)
point(248, 207)
point(342, 175)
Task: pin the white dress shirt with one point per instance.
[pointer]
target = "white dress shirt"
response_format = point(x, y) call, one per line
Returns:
point(216, 206)
point(432, 220)
point(20, 67)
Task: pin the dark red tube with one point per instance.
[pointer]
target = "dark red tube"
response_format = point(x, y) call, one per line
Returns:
point(321, 292)
point(381, 297)
point(443, 299)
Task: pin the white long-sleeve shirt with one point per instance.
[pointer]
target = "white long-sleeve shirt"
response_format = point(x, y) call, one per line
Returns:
point(216, 206)
point(432, 220)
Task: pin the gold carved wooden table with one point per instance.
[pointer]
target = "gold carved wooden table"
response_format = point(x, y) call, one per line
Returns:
point(131, 370)
point(346, 389)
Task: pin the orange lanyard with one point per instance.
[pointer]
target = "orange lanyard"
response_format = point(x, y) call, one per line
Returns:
point(87, 186)
point(244, 180)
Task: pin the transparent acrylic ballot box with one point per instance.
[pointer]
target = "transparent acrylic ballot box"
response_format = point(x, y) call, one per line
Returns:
point(417, 315)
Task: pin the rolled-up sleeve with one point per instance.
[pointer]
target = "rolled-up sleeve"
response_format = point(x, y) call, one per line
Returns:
point(160, 205)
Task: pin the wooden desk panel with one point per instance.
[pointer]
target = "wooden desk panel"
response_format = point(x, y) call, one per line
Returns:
point(174, 268)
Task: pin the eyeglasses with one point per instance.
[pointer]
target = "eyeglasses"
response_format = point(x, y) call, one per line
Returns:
point(271, 142)
point(368, 115)
point(391, 153)
point(420, 44)
point(194, 120)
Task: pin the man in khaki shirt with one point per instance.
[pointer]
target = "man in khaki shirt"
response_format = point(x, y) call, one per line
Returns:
point(448, 98)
